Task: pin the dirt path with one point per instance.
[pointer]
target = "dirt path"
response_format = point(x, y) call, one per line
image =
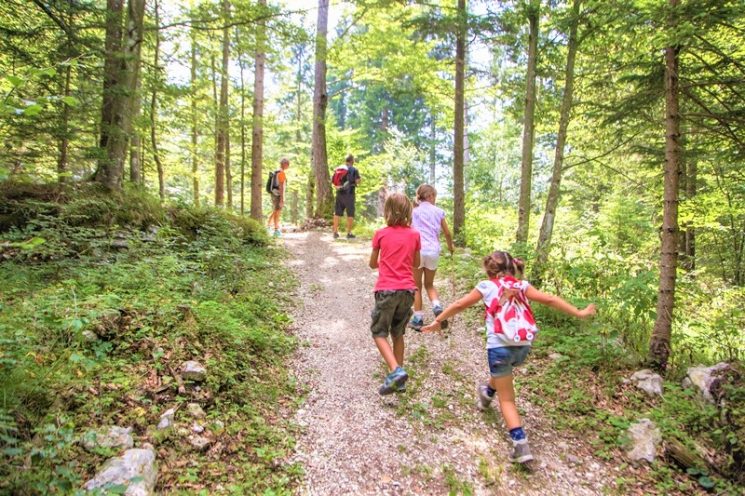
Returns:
point(429, 440)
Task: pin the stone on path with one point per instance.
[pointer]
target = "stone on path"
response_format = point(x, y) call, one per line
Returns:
point(135, 469)
point(193, 371)
point(195, 410)
point(645, 437)
point(200, 443)
point(108, 437)
point(648, 381)
point(166, 419)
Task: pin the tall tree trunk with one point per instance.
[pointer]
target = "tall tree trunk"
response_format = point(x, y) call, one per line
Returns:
point(459, 205)
point(310, 194)
point(135, 145)
point(659, 346)
point(257, 132)
point(552, 202)
point(294, 213)
point(433, 150)
point(154, 110)
point(526, 163)
point(221, 162)
point(112, 60)
point(194, 120)
point(324, 197)
point(243, 133)
point(64, 139)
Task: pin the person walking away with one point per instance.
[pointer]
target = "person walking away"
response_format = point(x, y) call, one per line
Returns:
point(345, 179)
point(430, 221)
point(395, 253)
point(510, 330)
point(277, 187)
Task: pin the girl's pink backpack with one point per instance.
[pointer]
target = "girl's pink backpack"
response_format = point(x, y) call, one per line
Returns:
point(511, 310)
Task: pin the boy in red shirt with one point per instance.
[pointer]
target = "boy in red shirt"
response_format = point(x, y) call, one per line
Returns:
point(395, 253)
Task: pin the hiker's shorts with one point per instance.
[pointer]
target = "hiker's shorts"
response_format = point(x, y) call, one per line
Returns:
point(391, 313)
point(429, 260)
point(502, 360)
point(344, 201)
point(275, 202)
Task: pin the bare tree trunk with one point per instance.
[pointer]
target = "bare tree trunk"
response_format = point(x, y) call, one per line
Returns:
point(552, 202)
point(257, 132)
point(294, 213)
point(433, 150)
point(112, 60)
point(154, 110)
point(459, 205)
point(64, 142)
point(221, 162)
point(659, 346)
point(194, 121)
point(135, 159)
point(324, 197)
point(526, 168)
point(243, 135)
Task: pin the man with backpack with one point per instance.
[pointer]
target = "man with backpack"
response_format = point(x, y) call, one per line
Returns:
point(345, 180)
point(275, 186)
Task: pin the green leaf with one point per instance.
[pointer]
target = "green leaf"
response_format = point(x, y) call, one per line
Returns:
point(706, 482)
point(32, 110)
point(15, 81)
point(71, 101)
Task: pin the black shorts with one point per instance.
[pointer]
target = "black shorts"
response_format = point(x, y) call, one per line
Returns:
point(344, 201)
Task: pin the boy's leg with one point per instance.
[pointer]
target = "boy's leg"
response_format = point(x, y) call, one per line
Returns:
point(398, 349)
point(418, 296)
point(350, 223)
point(387, 353)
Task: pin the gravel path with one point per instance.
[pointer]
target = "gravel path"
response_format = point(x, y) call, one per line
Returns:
point(429, 440)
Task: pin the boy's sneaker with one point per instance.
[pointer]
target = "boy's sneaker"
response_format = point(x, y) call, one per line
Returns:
point(336, 235)
point(277, 233)
point(484, 399)
point(351, 236)
point(394, 381)
point(416, 323)
point(437, 310)
point(520, 452)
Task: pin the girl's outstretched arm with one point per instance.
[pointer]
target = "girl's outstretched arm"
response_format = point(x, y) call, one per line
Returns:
point(374, 258)
point(558, 303)
point(453, 309)
point(448, 235)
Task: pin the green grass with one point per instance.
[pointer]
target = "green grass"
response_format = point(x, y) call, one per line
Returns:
point(199, 290)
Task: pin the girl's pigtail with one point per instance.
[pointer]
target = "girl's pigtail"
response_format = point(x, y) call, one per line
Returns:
point(519, 267)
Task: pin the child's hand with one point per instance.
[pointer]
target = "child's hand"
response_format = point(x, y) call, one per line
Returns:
point(434, 326)
point(588, 312)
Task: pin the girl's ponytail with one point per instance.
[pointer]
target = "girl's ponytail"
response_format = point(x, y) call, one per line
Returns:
point(501, 263)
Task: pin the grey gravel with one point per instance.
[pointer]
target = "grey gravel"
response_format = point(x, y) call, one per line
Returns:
point(355, 442)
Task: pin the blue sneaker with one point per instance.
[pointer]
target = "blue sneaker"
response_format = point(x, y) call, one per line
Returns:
point(416, 323)
point(437, 310)
point(394, 381)
point(277, 233)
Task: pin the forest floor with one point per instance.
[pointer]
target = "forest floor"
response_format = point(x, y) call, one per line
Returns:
point(428, 440)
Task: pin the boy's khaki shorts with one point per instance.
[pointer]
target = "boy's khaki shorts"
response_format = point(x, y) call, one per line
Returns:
point(391, 313)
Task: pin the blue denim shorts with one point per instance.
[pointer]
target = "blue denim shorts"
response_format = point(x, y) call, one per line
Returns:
point(502, 360)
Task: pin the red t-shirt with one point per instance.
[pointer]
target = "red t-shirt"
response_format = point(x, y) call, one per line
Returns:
point(397, 245)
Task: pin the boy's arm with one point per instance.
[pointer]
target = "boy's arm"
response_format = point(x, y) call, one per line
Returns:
point(374, 258)
point(558, 303)
point(448, 235)
point(453, 309)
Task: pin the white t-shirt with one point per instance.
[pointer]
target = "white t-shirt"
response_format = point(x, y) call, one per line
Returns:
point(509, 320)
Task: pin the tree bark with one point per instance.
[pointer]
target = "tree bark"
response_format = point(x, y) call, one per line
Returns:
point(112, 59)
point(459, 206)
point(64, 139)
point(324, 197)
point(194, 121)
point(154, 110)
point(221, 158)
point(135, 158)
point(526, 163)
point(552, 202)
point(219, 164)
point(257, 131)
point(659, 346)
point(243, 134)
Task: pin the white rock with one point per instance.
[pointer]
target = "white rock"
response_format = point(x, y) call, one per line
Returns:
point(89, 336)
point(704, 378)
point(201, 443)
point(197, 428)
point(108, 437)
point(136, 464)
point(193, 371)
point(555, 356)
point(195, 410)
point(648, 381)
point(645, 437)
point(166, 420)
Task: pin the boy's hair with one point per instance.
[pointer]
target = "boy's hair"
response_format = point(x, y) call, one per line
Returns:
point(501, 263)
point(425, 192)
point(397, 210)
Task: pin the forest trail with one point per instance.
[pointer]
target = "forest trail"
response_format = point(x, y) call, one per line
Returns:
point(429, 440)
